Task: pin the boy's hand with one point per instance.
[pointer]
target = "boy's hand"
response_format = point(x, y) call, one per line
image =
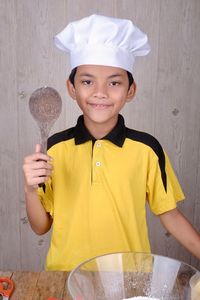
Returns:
point(37, 168)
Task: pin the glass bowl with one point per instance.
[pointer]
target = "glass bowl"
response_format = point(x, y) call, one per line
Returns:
point(139, 276)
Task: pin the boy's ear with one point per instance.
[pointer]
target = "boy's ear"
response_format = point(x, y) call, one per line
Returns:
point(71, 89)
point(131, 92)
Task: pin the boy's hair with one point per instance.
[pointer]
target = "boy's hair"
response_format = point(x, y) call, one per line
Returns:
point(73, 73)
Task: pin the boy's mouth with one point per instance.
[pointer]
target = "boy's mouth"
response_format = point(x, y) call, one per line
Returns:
point(99, 105)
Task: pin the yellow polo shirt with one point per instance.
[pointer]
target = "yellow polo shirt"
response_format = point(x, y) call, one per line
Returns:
point(99, 189)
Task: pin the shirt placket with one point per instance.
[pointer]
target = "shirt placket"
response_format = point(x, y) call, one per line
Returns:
point(97, 162)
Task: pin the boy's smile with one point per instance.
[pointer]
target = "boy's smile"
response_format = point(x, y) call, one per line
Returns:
point(101, 92)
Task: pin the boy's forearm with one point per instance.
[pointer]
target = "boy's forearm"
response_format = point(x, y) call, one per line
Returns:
point(176, 224)
point(39, 219)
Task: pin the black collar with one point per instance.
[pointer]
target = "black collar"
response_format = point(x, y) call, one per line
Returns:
point(116, 136)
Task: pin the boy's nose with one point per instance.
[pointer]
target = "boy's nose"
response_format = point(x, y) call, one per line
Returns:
point(100, 91)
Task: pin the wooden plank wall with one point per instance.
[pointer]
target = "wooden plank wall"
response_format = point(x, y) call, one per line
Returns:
point(167, 104)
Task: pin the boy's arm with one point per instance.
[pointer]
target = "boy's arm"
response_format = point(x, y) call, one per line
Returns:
point(176, 224)
point(39, 219)
point(37, 169)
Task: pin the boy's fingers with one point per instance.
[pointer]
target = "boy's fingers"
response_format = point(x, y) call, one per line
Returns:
point(34, 182)
point(41, 173)
point(40, 154)
point(41, 164)
point(37, 167)
point(37, 157)
point(38, 148)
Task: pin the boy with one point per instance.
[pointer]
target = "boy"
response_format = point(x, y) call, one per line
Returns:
point(99, 174)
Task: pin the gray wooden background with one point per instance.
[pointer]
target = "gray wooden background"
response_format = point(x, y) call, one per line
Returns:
point(167, 104)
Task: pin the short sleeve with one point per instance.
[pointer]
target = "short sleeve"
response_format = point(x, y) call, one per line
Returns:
point(162, 195)
point(46, 197)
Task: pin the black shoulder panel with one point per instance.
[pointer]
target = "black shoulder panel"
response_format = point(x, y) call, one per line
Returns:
point(60, 136)
point(152, 142)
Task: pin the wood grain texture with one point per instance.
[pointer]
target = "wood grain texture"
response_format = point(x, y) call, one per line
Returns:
point(25, 285)
point(9, 164)
point(55, 289)
point(166, 105)
point(38, 285)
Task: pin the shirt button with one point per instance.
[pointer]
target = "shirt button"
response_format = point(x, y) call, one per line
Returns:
point(98, 144)
point(98, 164)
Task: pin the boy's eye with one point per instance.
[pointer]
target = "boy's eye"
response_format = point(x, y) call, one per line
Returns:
point(115, 83)
point(86, 82)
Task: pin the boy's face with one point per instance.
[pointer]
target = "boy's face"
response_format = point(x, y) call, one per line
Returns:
point(101, 92)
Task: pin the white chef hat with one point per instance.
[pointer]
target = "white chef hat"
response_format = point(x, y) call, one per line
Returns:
point(101, 40)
